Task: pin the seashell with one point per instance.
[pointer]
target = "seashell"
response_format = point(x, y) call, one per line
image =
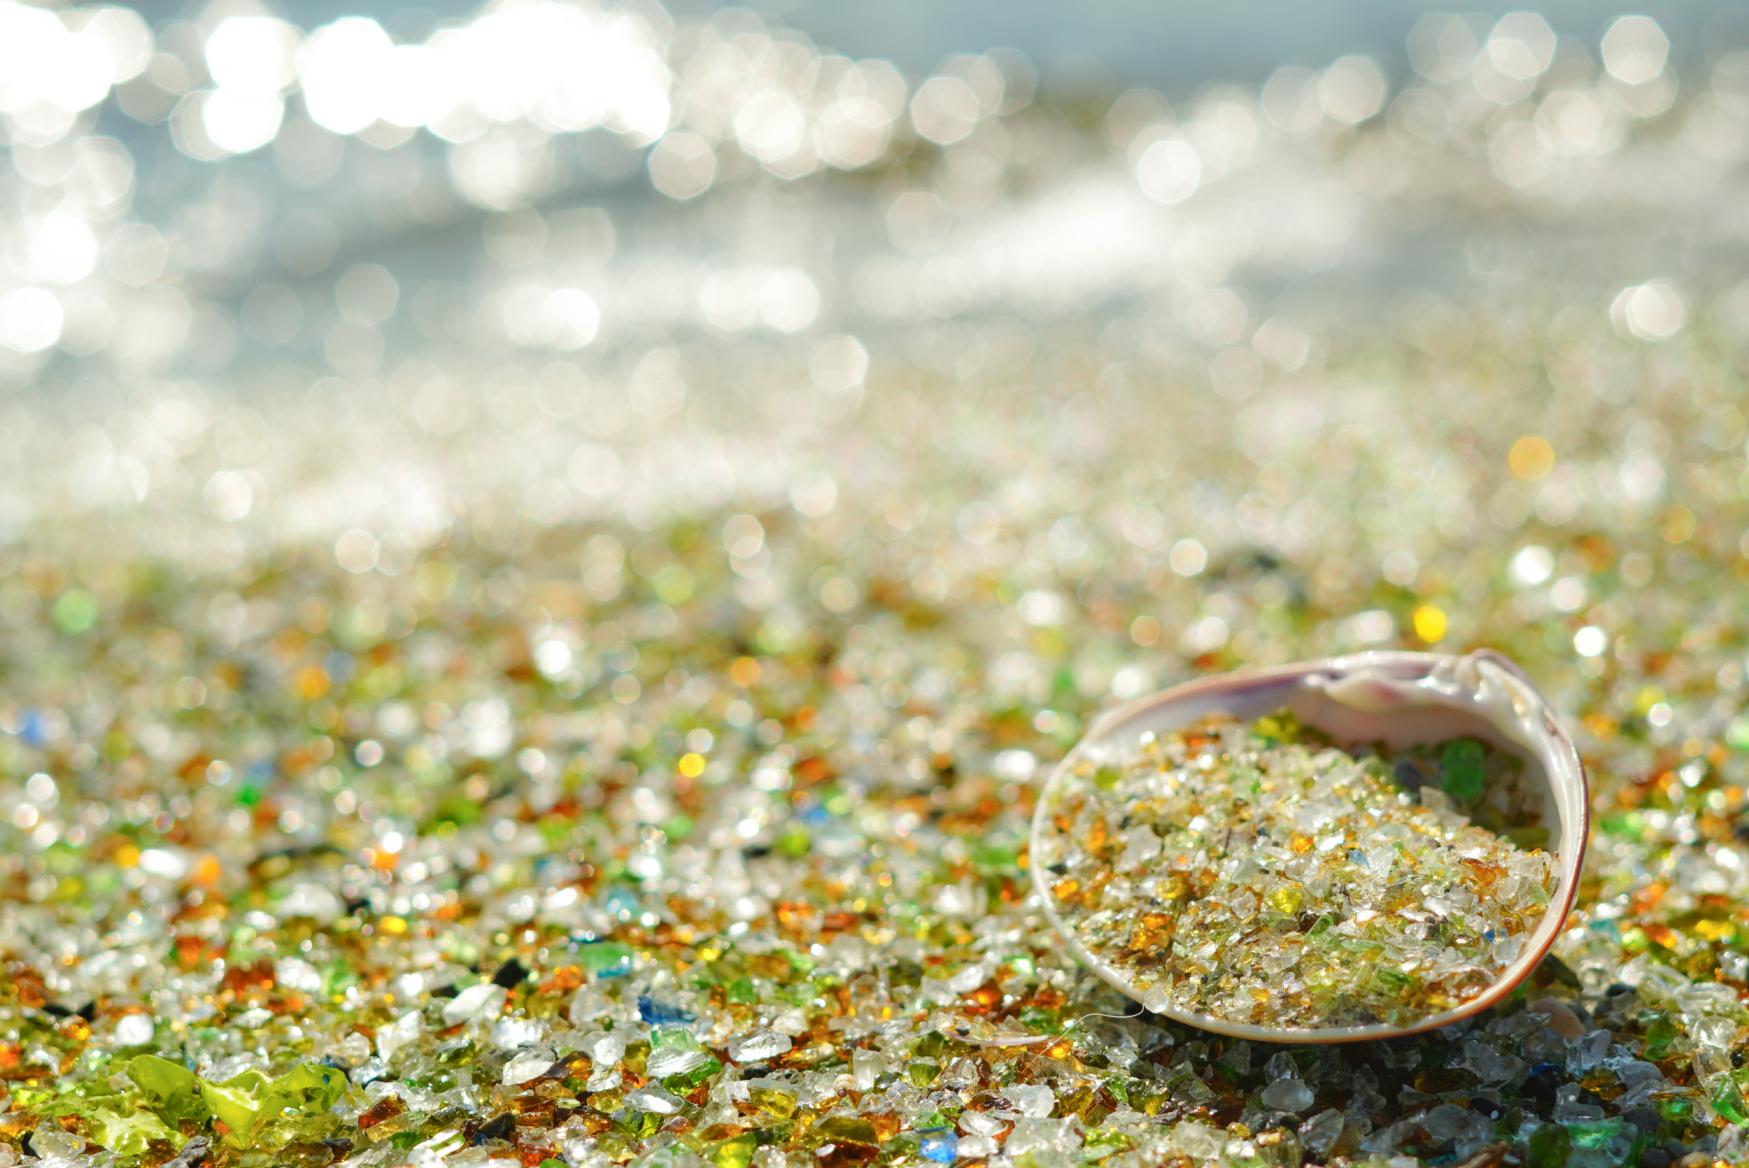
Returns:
point(1397, 699)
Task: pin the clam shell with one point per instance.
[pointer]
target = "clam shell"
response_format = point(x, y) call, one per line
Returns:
point(1399, 699)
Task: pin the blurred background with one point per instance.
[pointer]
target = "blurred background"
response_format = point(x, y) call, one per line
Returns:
point(345, 266)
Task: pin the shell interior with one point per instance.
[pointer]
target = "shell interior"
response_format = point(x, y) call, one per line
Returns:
point(1398, 699)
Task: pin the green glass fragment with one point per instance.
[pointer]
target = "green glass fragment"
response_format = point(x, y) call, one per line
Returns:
point(1460, 769)
point(310, 1088)
point(673, 1038)
point(170, 1089)
point(995, 859)
point(1659, 1037)
point(1063, 687)
point(237, 1102)
point(1728, 1101)
point(607, 959)
point(243, 1101)
point(131, 1134)
point(1595, 1135)
point(1548, 1147)
point(337, 979)
point(687, 1080)
point(1396, 979)
point(922, 1072)
point(736, 1152)
point(1103, 1142)
point(794, 843)
point(74, 612)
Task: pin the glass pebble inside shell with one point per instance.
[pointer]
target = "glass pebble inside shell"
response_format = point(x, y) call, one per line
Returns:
point(1213, 863)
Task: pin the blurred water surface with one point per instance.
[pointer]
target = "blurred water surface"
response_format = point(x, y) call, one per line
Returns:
point(638, 223)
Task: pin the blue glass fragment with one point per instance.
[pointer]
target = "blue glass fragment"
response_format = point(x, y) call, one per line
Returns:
point(661, 1013)
point(939, 1145)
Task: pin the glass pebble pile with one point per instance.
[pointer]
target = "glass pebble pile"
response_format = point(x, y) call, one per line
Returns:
point(1251, 873)
point(532, 617)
